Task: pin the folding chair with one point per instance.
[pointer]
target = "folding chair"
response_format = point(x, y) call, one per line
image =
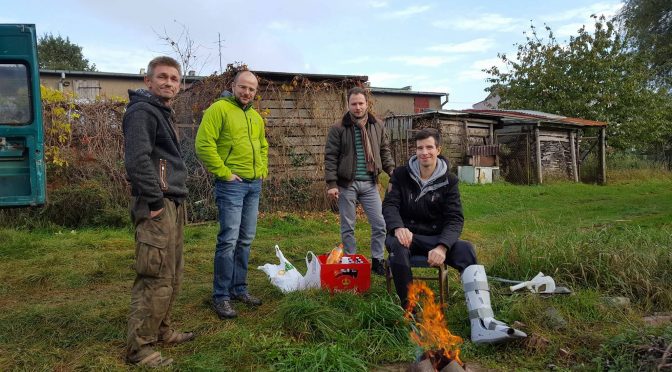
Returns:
point(421, 262)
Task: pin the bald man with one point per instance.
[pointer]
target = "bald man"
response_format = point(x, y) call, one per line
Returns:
point(231, 143)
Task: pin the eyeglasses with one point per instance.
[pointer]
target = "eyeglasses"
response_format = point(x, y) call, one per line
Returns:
point(246, 88)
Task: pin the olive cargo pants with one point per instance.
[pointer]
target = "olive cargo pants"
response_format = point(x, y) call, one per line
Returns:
point(158, 265)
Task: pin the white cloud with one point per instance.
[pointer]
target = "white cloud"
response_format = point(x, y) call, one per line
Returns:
point(110, 59)
point(572, 29)
point(425, 61)
point(608, 9)
point(484, 22)
point(279, 26)
point(378, 4)
point(381, 79)
point(583, 14)
point(410, 11)
point(356, 60)
point(472, 46)
point(475, 70)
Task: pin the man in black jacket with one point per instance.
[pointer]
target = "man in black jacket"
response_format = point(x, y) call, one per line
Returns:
point(356, 152)
point(157, 174)
point(423, 214)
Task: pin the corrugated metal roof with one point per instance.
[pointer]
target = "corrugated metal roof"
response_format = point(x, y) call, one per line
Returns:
point(535, 116)
point(509, 117)
point(265, 74)
point(405, 91)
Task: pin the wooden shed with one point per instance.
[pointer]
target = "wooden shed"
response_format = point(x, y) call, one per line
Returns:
point(527, 146)
point(298, 110)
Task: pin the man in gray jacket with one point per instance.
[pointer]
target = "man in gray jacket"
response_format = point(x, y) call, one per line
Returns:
point(356, 152)
point(157, 174)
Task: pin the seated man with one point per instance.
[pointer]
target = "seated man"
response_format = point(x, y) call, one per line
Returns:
point(423, 214)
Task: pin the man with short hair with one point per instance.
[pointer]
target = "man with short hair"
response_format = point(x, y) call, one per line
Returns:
point(423, 213)
point(356, 152)
point(231, 143)
point(157, 174)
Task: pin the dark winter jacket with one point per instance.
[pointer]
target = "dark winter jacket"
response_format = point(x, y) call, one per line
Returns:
point(340, 157)
point(153, 160)
point(437, 212)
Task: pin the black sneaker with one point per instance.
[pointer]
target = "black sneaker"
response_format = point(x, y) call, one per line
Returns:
point(224, 310)
point(377, 266)
point(247, 299)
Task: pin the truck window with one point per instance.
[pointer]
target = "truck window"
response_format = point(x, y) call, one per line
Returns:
point(15, 97)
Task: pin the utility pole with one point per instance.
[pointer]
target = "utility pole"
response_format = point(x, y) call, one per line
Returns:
point(219, 44)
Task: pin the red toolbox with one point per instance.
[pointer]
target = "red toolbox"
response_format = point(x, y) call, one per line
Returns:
point(355, 275)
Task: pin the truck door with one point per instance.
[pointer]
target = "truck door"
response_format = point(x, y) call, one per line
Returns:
point(22, 167)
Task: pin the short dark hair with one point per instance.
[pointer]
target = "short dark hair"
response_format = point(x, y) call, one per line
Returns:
point(163, 61)
point(429, 132)
point(358, 90)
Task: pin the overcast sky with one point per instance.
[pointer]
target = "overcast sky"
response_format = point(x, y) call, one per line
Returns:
point(438, 46)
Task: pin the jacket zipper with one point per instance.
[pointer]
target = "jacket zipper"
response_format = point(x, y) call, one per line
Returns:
point(249, 137)
point(163, 165)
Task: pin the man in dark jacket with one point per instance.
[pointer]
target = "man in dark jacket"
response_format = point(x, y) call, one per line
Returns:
point(356, 152)
point(423, 213)
point(157, 174)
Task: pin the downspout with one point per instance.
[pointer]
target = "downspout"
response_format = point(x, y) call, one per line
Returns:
point(60, 82)
point(446, 101)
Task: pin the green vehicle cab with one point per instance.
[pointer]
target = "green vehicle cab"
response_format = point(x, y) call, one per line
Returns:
point(22, 166)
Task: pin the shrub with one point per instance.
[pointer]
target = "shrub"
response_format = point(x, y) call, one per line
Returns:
point(85, 204)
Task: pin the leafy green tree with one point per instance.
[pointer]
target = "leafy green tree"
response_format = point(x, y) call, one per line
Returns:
point(593, 76)
point(648, 28)
point(57, 53)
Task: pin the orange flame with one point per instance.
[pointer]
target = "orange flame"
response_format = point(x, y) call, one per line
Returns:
point(431, 332)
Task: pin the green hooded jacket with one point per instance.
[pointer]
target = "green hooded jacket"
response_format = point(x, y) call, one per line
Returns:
point(232, 140)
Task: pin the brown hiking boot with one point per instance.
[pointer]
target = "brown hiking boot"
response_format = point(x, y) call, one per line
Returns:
point(177, 338)
point(224, 309)
point(149, 358)
point(247, 299)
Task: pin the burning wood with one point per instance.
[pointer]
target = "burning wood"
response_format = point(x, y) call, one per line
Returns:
point(430, 331)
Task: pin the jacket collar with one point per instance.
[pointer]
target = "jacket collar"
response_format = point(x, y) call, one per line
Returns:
point(236, 102)
point(347, 121)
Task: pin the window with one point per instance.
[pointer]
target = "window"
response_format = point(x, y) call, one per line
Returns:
point(15, 103)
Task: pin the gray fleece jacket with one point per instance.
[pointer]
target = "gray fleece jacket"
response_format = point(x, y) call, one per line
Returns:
point(153, 160)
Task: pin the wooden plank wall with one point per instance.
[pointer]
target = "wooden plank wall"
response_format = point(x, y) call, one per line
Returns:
point(459, 134)
point(556, 156)
point(456, 135)
point(296, 129)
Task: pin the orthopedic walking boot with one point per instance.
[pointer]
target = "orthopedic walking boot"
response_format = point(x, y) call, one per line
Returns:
point(485, 329)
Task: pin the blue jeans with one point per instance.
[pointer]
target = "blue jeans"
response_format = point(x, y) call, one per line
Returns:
point(367, 194)
point(238, 204)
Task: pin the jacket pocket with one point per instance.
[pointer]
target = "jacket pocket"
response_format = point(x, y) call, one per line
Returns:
point(163, 174)
point(150, 248)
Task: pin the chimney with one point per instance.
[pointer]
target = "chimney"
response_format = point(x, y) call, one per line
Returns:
point(142, 71)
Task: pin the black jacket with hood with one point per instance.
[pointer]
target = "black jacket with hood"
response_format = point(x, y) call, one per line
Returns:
point(436, 210)
point(153, 160)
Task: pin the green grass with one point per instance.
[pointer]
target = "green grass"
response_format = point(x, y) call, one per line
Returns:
point(64, 294)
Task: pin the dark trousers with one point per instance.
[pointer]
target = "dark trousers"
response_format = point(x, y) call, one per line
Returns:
point(459, 256)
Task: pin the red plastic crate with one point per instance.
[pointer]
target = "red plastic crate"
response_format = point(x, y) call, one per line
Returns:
point(345, 276)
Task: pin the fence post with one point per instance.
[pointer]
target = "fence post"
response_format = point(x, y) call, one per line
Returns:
point(602, 157)
point(537, 140)
point(572, 149)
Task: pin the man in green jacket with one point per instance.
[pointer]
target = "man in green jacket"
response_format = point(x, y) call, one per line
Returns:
point(232, 145)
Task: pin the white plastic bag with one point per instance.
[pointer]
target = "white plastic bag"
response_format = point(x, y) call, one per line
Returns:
point(312, 277)
point(284, 275)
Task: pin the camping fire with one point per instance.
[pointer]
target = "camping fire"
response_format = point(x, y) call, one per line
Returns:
point(430, 331)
